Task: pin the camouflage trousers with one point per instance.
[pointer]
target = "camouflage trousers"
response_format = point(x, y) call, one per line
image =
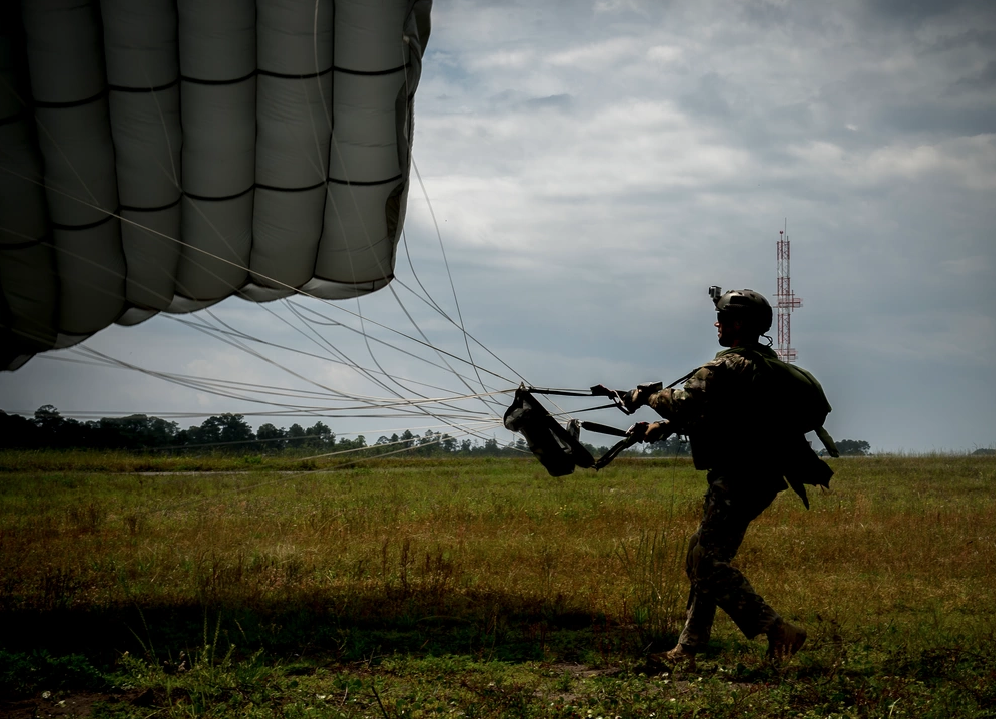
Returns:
point(731, 504)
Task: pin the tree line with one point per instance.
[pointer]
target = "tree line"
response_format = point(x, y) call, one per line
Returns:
point(226, 433)
point(230, 433)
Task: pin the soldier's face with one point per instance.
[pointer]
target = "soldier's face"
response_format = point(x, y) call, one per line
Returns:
point(727, 330)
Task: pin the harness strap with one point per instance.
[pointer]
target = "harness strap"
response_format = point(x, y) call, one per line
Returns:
point(827, 441)
point(603, 428)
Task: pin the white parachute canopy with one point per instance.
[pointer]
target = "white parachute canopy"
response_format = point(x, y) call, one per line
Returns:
point(162, 155)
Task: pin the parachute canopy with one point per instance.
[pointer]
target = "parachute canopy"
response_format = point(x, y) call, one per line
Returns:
point(162, 155)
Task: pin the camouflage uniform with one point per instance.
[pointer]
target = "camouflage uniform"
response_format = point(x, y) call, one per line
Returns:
point(743, 482)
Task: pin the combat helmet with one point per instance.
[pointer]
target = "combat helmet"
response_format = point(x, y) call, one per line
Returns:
point(746, 305)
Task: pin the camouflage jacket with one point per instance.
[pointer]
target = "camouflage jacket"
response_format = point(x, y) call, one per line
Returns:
point(725, 413)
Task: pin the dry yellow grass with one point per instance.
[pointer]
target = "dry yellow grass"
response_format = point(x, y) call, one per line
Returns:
point(905, 543)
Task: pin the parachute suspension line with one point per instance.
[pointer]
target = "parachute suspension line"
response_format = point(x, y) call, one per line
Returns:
point(300, 311)
point(218, 387)
point(262, 357)
point(267, 343)
point(198, 385)
point(406, 405)
point(439, 354)
point(301, 317)
point(427, 298)
point(346, 360)
point(452, 356)
point(234, 384)
point(446, 264)
point(438, 351)
point(184, 382)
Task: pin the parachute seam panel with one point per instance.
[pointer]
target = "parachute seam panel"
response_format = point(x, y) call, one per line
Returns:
point(157, 88)
point(132, 208)
point(365, 183)
point(289, 189)
point(295, 76)
point(71, 103)
point(389, 71)
point(220, 199)
point(89, 226)
point(388, 278)
point(233, 81)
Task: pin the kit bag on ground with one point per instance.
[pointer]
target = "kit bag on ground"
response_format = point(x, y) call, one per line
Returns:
point(556, 447)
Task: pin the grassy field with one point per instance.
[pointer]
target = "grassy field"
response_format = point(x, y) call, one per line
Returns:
point(403, 588)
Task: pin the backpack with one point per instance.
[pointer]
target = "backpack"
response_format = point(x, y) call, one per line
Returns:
point(799, 395)
point(803, 407)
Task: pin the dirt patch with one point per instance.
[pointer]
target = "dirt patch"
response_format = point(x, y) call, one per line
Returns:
point(582, 671)
point(65, 704)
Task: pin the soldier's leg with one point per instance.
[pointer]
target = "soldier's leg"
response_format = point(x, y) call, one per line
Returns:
point(729, 509)
point(700, 611)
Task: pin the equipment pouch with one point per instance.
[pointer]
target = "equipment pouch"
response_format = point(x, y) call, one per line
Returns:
point(557, 448)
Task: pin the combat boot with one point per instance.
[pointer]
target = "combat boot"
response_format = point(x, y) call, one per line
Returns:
point(784, 640)
point(680, 655)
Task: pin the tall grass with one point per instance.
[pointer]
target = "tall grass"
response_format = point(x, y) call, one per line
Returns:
point(903, 546)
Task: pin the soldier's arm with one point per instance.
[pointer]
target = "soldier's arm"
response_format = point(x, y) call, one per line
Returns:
point(683, 407)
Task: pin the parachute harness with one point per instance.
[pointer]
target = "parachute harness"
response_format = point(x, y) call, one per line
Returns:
point(558, 448)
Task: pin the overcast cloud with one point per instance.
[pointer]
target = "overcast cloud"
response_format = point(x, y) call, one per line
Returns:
point(594, 167)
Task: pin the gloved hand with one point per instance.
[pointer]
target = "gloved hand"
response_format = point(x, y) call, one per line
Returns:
point(629, 400)
point(626, 400)
point(649, 431)
point(636, 398)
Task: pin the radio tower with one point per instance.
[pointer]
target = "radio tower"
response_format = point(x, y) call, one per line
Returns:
point(785, 299)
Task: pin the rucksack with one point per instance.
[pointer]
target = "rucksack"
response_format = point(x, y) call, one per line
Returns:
point(803, 405)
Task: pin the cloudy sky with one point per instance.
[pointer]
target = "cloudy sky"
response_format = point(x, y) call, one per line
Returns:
point(594, 166)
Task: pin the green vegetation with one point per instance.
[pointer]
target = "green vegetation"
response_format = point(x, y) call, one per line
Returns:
point(480, 587)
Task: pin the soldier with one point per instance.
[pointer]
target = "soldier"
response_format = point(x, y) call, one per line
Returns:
point(728, 417)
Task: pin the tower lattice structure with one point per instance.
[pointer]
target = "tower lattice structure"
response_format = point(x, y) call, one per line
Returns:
point(785, 299)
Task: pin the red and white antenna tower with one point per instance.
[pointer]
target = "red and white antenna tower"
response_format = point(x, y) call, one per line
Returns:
point(785, 299)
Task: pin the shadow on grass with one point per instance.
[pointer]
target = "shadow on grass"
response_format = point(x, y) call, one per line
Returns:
point(493, 627)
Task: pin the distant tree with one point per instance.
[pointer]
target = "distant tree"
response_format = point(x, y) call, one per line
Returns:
point(135, 431)
point(428, 444)
point(271, 438)
point(49, 422)
point(853, 447)
point(221, 429)
point(447, 443)
point(18, 431)
point(234, 428)
point(408, 438)
point(295, 436)
point(320, 437)
point(54, 430)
